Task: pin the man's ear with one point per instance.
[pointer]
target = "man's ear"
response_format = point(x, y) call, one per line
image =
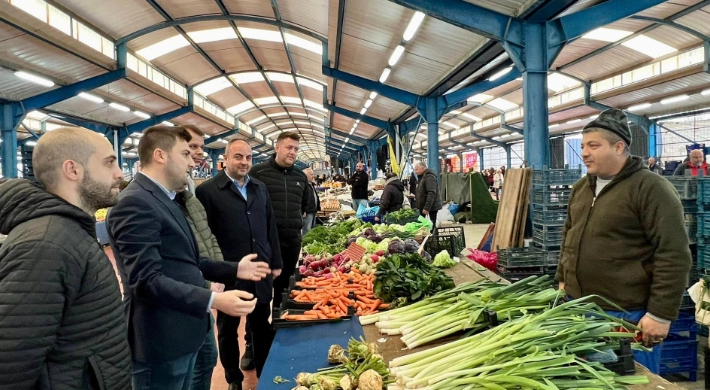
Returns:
point(72, 171)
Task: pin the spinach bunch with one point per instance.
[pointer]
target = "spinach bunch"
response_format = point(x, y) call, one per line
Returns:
point(406, 278)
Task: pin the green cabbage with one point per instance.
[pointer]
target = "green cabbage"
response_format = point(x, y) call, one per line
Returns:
point(443, 260)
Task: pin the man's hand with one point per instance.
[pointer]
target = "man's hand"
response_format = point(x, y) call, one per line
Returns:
point(217, 287)
point(425, 212)
point(562, 286)
point(653, 331)
point(235, 303)
point(377, 219)
point(275, 273)
point(252, 270)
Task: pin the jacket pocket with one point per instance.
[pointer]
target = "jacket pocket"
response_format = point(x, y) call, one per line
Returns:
point(94, 376)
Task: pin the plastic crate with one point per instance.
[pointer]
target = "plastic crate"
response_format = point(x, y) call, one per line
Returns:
point(512, 258)
point(690, 206)
point(556, 177)
point(679, 355)
point(702, 193)
point(685, 324)
point(547, 236)
point(703, 225)
point(703, 258)
point(552, 258)
point(554, 196)
point(550, 216)
point(691, 227)
point(687, 187)
point(450, 238)
point(518, 276)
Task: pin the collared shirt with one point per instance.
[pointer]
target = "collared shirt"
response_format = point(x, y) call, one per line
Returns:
point(170, 194)
point(241, 188)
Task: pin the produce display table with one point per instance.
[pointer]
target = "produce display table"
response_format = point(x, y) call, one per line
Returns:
point(466, 271)
point(304, 349)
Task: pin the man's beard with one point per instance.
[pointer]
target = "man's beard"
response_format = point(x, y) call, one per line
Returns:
point(95, 195)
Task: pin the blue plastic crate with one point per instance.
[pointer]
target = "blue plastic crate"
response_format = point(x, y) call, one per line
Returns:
point(552, 216)
point(512, 258)
point(553, 196)
point(685, 324)
point(547, 236)
point(703, 190)
point(556, 177)
point(703, 261)
point(703, 225)
point(679, 355)
point(687, 186)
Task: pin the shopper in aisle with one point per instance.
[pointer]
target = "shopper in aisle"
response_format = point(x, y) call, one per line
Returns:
point(61, 323)
point(624, 238)
point(695, 164)
point(653, 167)
point(428, 199)
point(498, 183)
point(309, 221)
point(288, 189)
point(240, 213)
point(359, 181)
point(392, 197)
point(206, 359)
point(166, 300)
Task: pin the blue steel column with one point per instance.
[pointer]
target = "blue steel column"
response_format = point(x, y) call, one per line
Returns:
point(373, 160)
point(9, 142)
point(507, 156)
point(536, 132)
point(432, 146)
point(652, 131)
point(480, 159)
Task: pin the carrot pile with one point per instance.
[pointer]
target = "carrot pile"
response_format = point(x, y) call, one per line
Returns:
point(331, 296)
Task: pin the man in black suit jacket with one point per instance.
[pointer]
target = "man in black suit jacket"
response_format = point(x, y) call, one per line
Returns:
point(309, 221)
point(165, 299)
point(241, 217)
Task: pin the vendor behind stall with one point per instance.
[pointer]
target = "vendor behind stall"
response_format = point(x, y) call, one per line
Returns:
point(392, 196)
point(359, 182)
point(624, 238)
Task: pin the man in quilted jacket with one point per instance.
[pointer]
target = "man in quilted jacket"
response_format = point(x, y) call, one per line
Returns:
point(61, 317)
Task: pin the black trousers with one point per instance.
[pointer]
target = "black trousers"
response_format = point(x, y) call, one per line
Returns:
point(262, 335)
point(290, 250)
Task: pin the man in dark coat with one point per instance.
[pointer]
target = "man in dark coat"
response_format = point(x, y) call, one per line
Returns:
point(61, 323)
point(240, 214)
point(288, 189)
point(392, 197)
point(309, 222)
point(428, 198)
point(359, 181)
point(165, 295)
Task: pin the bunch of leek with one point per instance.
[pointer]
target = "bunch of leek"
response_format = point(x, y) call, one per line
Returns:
point(535, 351)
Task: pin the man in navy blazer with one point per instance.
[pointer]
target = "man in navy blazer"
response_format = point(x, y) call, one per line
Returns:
point(166, 300)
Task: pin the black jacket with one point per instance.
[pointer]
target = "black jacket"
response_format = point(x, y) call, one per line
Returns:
point(164, 292)
point(313, 200)
point(428, 197)
point(289, 197)
point(392, 197)
point(243, 227)
point(359, 181)
point(61, 324)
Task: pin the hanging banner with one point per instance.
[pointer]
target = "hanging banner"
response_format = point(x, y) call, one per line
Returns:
point(393, 156)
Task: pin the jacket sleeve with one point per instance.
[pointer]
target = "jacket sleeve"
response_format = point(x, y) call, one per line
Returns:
point(362, 180)
point(662, 218)
point(271, 230)
point(430, 184)
point(307, 198)
point(136, 231)
point(352, 179)
point(385, 201)
point(38, 280)
point(560, 274)
point(223, 272)
point(680, 170)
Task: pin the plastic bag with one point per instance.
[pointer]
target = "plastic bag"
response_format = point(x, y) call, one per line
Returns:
point(488, 260)
point(365, 212)
point(426, 222)
point(444, 215)
point(454, 208)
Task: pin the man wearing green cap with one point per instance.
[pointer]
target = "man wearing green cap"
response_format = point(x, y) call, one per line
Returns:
point(624, 238)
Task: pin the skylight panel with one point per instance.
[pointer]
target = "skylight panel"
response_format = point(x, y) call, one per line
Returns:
point(266, 100)
point(607, 34)
point(240, 108)
point(277, 114)
point(269, 127)
point(471, 117)
point(163, 47)
point(479, 98)
point(559, 82)
point(36, 115)
point(36, 8)
point(315, 105)
point(304, 43)
point(213, 35)
point(281, 77)
point(451, 125)
point(649, 46)
point(316, 118)
point(284, 123)
point(502, 104)
point(291, 100)
point(260, 34)
point(247, 77)
point(310, 84)
point(209, 87)
point(256, 120)
point(302, 123)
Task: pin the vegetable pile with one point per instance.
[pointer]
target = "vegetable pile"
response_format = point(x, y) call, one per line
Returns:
point(463, 308)
point(443, 260)
point(360, 367)
point(402, 216)
point(331, 296)
point(535, 351)
point(406, 278)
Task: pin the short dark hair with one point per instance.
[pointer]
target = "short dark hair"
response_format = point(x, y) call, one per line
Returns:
point(194, 129)
point(160, 137)
point(390, 175)
point(288, 134)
